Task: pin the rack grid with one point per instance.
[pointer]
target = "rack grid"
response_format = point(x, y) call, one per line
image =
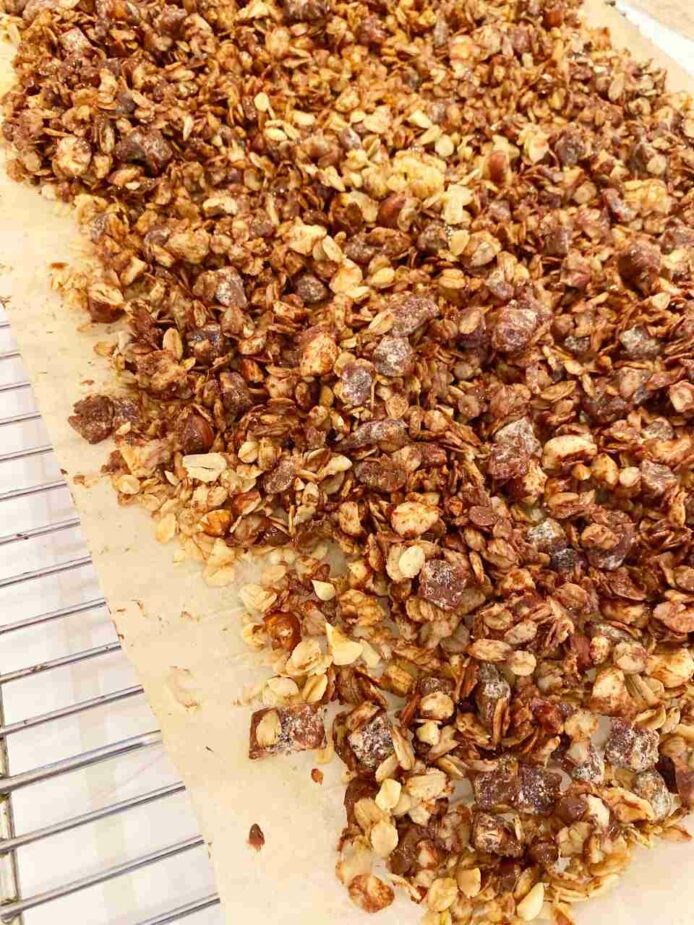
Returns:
point(96, 848)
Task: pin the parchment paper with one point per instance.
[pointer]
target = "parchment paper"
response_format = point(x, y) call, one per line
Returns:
point(182, 635)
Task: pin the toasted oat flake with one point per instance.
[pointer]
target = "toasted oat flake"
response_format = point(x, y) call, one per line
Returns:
point(166, 528)
point(343, 650)
point(469, 881)
point(384, 838)
point(205, 467)
point(531, 905)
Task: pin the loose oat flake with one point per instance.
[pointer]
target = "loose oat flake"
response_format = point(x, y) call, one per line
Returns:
point(414, 281)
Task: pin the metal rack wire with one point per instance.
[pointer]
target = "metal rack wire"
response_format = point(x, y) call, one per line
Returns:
point(18, 622)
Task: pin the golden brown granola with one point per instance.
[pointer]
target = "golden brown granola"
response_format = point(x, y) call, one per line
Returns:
point(412, 278)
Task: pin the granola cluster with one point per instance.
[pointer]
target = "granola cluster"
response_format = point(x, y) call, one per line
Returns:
point(412, 279)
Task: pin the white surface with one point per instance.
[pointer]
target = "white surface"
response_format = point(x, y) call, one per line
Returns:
point(52, 862)
point(677, 46)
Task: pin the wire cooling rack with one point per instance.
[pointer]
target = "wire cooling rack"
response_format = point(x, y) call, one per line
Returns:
point(95, 826)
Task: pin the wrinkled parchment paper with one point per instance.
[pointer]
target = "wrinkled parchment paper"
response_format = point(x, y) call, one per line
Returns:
point(184, 640)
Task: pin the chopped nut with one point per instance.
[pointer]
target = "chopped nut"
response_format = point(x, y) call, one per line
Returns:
point(105, 302)
point(73, 156)
point(492, 696)
point(630, 657)
point(651, 786)
point(682, 397)
point(318, 355)
point(285, 729)
point(443, 583)
point(437, 705)
point(394, 357)
point(562, 451)
point(631, 746)
point(93, 418)
point(356, 859)
point(639, 265)
point(494, 835)
point(597, 811)
point(147, 147)
point(256, 838)
point(372, 743)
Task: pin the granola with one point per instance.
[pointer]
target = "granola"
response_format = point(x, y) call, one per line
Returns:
point(412, 281)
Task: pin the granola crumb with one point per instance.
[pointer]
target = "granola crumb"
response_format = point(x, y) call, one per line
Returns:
point(256, 837)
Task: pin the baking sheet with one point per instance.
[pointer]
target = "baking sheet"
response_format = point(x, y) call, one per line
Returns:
point(175, 627)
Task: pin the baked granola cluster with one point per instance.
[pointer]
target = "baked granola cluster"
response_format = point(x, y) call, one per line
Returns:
point(413, 278)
